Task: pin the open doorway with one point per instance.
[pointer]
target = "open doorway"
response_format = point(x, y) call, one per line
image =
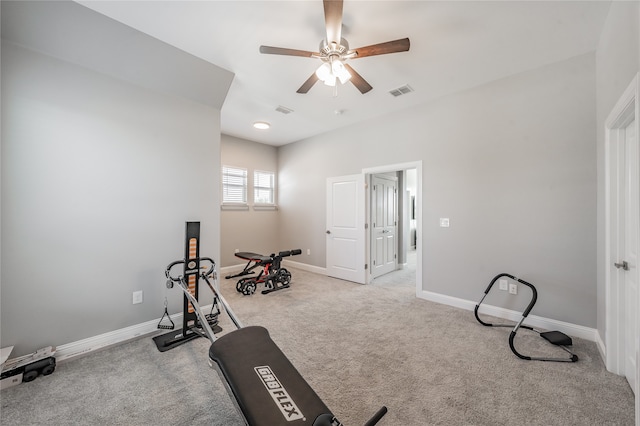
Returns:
point(405, 243)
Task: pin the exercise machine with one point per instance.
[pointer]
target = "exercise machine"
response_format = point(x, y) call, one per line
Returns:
point(264, 385)
point(192, 265)
point(27, 367)
point(554, 337)
point(273, 275)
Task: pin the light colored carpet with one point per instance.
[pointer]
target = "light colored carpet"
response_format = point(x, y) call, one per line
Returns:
point(360, 347)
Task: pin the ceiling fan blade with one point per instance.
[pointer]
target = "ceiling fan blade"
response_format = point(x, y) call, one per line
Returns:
point(333, 20)
point(284, 51)
point(357, 80)
point(308, 84)
point(401, 45)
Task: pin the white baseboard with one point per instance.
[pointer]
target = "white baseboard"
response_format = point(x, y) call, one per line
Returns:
point(230, 270)
point(304, 267)
point(116, 337)
point(91, 344)
point(532, 320)
point(85, 346)
point(285, 262)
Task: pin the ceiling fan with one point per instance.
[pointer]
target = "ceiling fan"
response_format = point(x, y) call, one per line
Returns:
point(334, 52)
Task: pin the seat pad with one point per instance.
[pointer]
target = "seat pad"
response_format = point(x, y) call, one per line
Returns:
point(267, 387)
point(255, 257)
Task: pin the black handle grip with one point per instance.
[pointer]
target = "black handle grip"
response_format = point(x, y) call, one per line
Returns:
point(534, 297)
point(512, 335)
point(377, 416)
point(288, 253)
point(167, 271)
point(213, 264)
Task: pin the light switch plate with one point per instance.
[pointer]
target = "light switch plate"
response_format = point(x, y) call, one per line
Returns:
point(504, 285)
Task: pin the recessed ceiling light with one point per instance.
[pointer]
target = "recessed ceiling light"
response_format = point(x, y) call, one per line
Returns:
point(261, 125)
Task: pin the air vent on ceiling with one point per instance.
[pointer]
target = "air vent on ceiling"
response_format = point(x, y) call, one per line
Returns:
point(402, 90)
point(284, 110)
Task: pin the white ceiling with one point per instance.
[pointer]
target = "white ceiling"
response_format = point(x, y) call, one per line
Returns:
point(454, 46)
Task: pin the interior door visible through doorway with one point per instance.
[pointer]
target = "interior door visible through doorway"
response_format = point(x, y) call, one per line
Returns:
point(384, 224)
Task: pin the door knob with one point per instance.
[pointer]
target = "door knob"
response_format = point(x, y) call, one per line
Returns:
point(624, 265)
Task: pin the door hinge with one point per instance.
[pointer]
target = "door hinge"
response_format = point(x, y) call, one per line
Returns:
point(366, 266)
point(366, 226)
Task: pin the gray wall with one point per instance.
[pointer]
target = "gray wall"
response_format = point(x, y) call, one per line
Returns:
point(95, 172)
point(617, 62)
point(511, 163)
point(248, 230)
point(99, 176)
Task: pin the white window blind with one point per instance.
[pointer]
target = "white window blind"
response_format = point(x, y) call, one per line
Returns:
point(264, 184)
point(234, 185)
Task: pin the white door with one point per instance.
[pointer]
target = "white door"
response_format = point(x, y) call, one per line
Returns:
point(628, 265)
point(345, 228)
point(384, 223)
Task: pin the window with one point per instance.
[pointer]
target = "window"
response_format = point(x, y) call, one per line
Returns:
point(234, 185)
point(264, 187)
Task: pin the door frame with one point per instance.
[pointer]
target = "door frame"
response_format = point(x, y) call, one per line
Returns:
point(417, 165)
point(625, 110)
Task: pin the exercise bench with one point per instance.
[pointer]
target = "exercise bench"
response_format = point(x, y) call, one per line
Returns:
point(264, 385)
point(273, 275)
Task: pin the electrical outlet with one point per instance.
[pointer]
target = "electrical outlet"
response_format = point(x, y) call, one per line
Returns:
point(308, 252)
point(137, 297)
point(513, 288)
point(504, 285)
point(237, 251)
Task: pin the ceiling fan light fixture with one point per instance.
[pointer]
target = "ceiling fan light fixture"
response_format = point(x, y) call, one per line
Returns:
point(261, 125)
point(338, 69)
point(329, 72)
point(323, 72)
point(330, 80)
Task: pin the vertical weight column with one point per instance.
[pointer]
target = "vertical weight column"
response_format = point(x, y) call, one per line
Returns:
point(191, 271)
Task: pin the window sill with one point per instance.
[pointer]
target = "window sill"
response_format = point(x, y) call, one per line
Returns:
point(259, 207)
point(234, 207)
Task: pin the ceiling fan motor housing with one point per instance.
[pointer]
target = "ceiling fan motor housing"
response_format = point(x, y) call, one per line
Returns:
point(330, 51)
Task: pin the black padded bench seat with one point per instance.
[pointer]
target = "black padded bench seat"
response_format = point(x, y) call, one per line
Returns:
point(255, 257)
point(267, 387)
